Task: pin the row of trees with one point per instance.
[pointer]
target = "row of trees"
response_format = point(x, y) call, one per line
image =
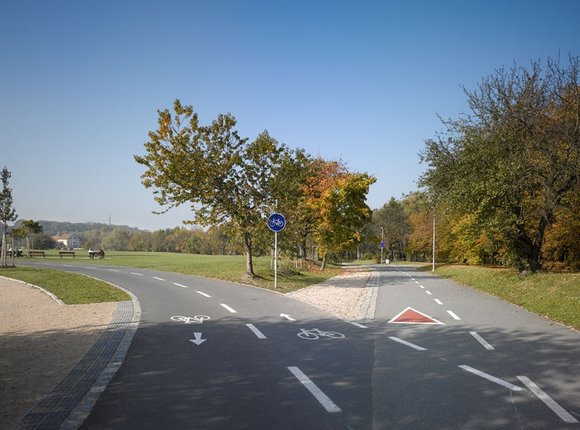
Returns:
point(233, 184)
point(503, 181)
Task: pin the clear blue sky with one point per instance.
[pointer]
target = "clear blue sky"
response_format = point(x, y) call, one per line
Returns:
point(361, 81)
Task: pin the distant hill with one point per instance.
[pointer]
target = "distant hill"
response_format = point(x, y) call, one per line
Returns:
point(53, 228)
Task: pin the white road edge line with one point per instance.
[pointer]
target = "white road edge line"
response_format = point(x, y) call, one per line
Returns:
point(257, 332)
point(453, 315)
point(409, 344)
point(203, 294)
point(490, 378)
point(548, 401)
point(180, 285)
point(233, 311)
point(481, 340)
point(322, 398)
point(439, 302)
point(159, 279)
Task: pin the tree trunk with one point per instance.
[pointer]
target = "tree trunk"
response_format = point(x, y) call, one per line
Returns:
point(249, 262)
point(323, 263)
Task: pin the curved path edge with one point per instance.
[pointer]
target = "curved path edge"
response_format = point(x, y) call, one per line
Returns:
point(71, 400)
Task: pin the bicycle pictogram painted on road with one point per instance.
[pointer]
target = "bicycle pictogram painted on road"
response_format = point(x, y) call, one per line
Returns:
point(198, 319)
point(315, 334)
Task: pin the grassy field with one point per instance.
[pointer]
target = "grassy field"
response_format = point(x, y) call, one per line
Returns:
point(225, 267)
point(71, 288)
point(554, 295)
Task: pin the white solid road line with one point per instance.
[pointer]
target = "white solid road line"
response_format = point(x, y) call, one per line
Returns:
point(159, 279)
point(491, 378)
point(180, 285)
point(203, 294)
point(548, 401)
point(322, 398)
point(481, 340)
point(439, 302)
point(257, 332)
point(233, 311)
point(453, 315)
point(409, 344)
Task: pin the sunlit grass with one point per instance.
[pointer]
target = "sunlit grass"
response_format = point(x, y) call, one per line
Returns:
point(225, 267)
point(71, 288)
point(554, 295)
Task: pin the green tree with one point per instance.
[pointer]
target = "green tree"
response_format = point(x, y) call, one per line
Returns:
point(343, 214)
point(27, 228)
point(224, 178)
point(515, 159)
point(393, 219)
point(7, 211)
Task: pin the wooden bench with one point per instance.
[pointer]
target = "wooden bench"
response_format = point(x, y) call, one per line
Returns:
point(64, 253)
point(36, 254)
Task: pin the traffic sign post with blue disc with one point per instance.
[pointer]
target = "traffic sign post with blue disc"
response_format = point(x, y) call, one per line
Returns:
point(276, 223)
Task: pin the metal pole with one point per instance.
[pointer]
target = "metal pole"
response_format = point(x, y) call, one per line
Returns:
point(382, 244)
point(275, 259)
point(433, 269)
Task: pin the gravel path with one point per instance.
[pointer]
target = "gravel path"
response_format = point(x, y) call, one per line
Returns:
point(342, 295)
point(40, 341)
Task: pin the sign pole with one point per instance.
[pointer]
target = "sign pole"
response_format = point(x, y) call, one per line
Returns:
point(275, 260)
point(276, 223)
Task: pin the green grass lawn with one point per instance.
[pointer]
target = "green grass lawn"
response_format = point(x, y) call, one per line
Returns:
point(225, 267)
point(71, 288)
point(554, 295)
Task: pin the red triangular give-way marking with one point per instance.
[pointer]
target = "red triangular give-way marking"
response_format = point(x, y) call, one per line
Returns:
point(413, 316)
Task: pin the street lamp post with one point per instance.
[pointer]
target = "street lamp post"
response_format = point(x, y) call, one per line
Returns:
point(433, 269)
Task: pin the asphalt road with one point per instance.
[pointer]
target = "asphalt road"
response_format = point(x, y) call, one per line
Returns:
point(217, 355)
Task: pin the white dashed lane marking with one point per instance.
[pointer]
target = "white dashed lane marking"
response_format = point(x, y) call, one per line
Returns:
point(233, 311)
point(490, 378)
point(481, 340)
point(322, 398)
point(548, 401)
point(203, 294)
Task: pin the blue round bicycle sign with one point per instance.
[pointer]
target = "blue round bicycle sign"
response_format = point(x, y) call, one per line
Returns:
point(276, 222)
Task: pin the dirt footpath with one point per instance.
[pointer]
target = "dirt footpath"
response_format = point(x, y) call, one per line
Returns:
point(40, 342)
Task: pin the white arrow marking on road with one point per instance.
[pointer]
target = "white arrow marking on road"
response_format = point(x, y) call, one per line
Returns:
point(288, 317)
point(548, 401)
point(491, 378)
point(481, 340)
point(198, 340)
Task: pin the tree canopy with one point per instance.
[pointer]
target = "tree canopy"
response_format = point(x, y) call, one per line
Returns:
point(512, 164)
